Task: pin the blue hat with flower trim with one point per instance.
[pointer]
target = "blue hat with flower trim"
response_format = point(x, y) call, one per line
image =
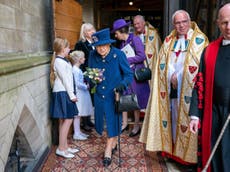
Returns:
point(101, 37)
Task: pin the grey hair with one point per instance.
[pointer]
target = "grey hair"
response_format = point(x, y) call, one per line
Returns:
point(140, 17)
point(180, 11)
point(84, 28)
point(76, 55)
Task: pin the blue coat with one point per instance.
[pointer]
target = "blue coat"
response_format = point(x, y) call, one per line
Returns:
point(117, 71)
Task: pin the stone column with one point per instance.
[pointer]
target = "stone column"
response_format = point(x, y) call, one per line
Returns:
point(169, 8)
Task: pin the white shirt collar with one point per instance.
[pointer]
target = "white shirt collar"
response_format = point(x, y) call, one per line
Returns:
point(225, 42)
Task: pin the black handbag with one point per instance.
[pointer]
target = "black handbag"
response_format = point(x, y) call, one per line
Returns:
point(127, 102)
point(143, 74)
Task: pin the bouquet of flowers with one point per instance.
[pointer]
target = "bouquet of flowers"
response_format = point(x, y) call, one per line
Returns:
point(95, 75)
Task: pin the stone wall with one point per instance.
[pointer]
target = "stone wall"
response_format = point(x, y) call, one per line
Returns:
point(25, 25)
point(88, 11)
point(26, 33)
point(24, 104)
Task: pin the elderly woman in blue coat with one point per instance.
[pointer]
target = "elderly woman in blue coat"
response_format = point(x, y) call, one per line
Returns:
point(117, 76)
point(136, 61)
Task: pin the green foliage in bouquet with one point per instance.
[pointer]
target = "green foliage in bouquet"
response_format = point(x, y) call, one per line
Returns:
point(95, 75)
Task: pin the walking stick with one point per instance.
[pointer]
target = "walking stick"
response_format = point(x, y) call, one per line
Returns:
point(117, 96)
point(216, 144)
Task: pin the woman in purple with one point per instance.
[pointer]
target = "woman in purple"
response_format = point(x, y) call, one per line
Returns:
point(134, 50)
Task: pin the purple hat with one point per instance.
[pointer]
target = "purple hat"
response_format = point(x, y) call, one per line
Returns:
point(118, 24)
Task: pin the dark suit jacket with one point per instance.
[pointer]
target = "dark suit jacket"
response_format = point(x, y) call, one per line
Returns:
point(84, 46)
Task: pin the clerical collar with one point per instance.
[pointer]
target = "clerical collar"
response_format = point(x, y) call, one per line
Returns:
point(181, 36)
point(142, 37)
point(180, 44)
point(225, 42)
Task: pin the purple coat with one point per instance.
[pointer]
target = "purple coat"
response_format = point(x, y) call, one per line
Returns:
point(141, 89)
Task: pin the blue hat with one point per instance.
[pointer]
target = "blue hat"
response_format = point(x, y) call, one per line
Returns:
point(101, 37)
point(118, 24)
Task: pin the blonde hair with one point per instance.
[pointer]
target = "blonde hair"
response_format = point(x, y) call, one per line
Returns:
point(76, 55)
point(58, 45)
point(85, 27)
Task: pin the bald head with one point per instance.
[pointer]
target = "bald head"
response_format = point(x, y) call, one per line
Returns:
point(223, 10)
point(223, 20)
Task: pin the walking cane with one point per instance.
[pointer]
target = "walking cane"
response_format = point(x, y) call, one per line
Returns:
point(216, 144)
point(117, 97)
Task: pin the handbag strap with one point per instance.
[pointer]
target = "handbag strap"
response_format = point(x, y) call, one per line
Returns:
point(147, 63)
point(129, 90)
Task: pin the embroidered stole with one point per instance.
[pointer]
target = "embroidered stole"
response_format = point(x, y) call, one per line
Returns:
point(186, 144)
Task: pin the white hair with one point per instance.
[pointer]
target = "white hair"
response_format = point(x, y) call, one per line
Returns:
point(180, 11)
point(84, 28)
point(140, 17)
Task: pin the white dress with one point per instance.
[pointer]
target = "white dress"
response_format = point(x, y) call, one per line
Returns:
point(176, 65)
point(84, 103)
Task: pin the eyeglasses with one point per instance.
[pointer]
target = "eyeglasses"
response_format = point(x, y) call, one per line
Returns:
point(181, 22)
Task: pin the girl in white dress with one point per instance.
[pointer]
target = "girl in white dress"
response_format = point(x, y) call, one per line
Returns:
point(84, 103)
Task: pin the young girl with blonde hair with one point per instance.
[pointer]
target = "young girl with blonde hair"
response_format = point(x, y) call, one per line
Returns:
point(63, 105)
point(84, 102)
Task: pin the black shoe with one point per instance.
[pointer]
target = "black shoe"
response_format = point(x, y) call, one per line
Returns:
point(107, 161)
point(126, 128)
point(86, 128)
point(87, 121)
point(132, 134)
point(114, 150)
point(90, 124)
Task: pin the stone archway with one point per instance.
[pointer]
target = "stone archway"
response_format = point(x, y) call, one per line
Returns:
point(27, 134)
point(25, 117)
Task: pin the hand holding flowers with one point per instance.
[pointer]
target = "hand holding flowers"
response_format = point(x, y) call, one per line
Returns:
point(95, 75)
